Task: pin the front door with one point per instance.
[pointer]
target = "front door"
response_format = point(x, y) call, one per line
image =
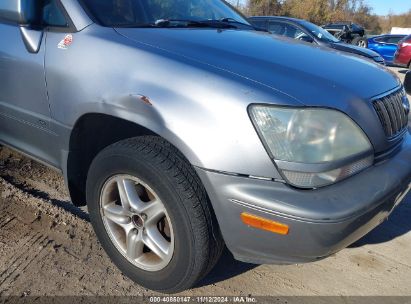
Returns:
point(24, 105)
point(24, 108)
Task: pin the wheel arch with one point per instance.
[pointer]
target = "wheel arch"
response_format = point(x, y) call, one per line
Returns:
point(93, 132)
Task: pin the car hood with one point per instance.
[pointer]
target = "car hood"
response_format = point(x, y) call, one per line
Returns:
point(345, 47)
point(313, 75)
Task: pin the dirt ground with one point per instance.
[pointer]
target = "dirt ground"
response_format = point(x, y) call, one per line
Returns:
point(47, 247)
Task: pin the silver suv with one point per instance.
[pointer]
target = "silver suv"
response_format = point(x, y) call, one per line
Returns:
point(185, 129)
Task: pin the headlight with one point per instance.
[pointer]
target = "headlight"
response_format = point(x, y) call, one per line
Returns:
point(312, 147)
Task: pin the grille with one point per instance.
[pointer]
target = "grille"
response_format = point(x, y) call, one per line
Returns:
point(392, 113)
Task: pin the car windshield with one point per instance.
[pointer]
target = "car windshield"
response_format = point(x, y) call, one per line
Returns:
point(406, 38)
point(136, 13)
point(320, 33)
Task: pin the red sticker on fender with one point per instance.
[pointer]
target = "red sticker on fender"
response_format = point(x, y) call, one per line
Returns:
point(65, 43)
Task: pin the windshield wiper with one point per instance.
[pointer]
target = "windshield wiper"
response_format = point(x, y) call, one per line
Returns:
point(215, 23)
point(232, 20)
point(192, 23)
point(223, 23)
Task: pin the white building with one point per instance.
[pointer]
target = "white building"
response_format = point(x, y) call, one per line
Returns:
point(400, 31)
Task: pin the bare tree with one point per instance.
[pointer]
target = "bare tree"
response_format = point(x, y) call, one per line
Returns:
point(318, 11)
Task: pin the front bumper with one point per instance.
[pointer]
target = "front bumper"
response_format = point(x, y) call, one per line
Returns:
point(321, 221)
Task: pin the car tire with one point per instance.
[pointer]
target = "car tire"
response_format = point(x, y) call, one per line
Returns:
point(155, 171)
point(360, 41)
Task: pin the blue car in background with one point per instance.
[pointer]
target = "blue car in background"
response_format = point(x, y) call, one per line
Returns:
point(385, 45)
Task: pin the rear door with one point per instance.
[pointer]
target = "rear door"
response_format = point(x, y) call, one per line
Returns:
point(377, 44)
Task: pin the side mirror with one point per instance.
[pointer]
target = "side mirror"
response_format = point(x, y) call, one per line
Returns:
point(19, 12)
point(407, 82)
point(23, 13)
point(307, 39)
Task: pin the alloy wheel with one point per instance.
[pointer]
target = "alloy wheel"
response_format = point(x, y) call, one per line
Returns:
point(137, 222)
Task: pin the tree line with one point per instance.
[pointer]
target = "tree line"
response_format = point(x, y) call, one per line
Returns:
point(391, 20)
point(324, 11)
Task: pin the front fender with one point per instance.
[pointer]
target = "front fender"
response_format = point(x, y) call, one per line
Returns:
point(198, 108)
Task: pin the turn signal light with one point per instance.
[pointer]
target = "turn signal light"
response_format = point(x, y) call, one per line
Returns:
point(264, 224)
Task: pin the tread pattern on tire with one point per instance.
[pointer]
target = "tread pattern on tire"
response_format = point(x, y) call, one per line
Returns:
point(193, 195)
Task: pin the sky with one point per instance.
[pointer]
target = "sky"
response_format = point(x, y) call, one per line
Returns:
point(383, 7)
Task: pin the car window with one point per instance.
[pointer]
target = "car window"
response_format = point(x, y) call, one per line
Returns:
point(126, 13)
point(356, 27)
point(380, 39)
point(295, 32)
point(335, 26)
point(318, 32)
point(285, 29)
point(277, 28)
point(407, 38)
point(394, 40)
point(259, 23)
point(52, 14)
